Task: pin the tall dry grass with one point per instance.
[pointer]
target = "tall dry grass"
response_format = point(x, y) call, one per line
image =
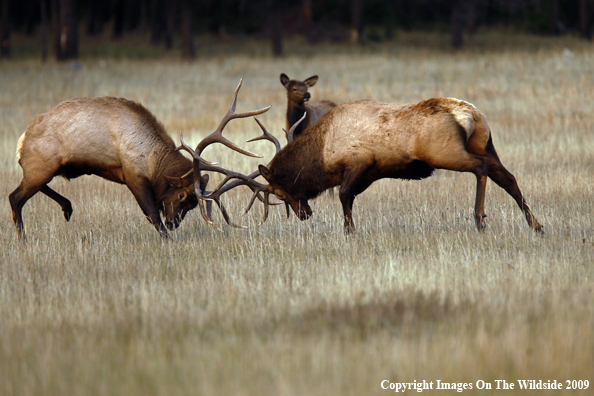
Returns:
point(101, 306)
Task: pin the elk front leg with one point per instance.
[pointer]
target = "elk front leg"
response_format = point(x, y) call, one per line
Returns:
point(353, 183)
point(347, 200)
point(144, 197)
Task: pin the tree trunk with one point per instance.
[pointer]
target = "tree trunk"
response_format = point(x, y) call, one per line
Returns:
point(66, 33)
point(157, 21)
point(457, 22)
point(357, 22)
point(275, 18)
point(555, 17)
point(390, 19)
point(43, 11)
point(584, 31)
point(4, 31)
point(186, 19)
point(118, 19)
point(170, 22)
point(471, 17)
point(307, 7)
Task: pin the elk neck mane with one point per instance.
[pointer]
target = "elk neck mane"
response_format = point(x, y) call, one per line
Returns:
point(171, 162)
point(300, 164)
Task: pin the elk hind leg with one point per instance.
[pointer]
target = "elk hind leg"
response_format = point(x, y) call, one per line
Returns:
point(62, 201)
point(463, 161)
point(504, 179)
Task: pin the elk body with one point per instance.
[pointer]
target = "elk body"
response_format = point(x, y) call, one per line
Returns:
point(121, 141)
point(360, 142)
point(297, 95)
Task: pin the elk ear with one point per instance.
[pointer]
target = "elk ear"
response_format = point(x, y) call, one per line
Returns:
point(285, 80)
point(265, 172)
point(177, 182)
point(180, 182)
point(310, 82)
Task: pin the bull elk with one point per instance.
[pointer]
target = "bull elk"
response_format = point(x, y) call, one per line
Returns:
point(297, 95)
point(360, 142)
point(121, 141)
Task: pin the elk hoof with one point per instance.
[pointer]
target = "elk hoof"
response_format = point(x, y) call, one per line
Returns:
point(349, 230)
point(539, 229)
point(480, 222)
point(67, 211)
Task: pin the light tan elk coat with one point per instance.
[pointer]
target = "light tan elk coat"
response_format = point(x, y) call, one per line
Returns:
point(121, 141)
point(360, 142)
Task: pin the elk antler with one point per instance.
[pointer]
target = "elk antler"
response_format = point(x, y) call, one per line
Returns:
point(256, 187)
point(266, 136)
point(292, 130)
point(217, 135)
point(199, 164)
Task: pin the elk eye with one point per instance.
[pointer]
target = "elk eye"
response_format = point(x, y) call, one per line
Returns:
point(182, 196)
point(279, 195)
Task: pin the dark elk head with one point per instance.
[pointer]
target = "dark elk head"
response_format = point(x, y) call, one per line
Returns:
point(179, 199)
point(297, 90)
point(295, 199)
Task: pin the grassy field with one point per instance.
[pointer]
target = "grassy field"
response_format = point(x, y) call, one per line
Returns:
point(101, 306)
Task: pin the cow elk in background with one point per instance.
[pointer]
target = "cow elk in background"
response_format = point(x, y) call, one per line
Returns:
point(360, 142)
point(121, 141)
point(297, 95)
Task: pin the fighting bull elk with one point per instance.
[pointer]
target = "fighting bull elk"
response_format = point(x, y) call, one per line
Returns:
point(360, 142)
point(297, 95)
point(121, 141)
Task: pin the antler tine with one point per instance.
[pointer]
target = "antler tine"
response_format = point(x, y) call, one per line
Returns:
point(210, 196)
point(193, 153)
point(217, 135)
point(266, 136)
point(242, 180)
point(206, 216)
point(266, 202)
point(226, 215)
point(292, 130)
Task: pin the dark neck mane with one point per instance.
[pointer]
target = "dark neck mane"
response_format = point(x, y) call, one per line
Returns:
point(300, 166)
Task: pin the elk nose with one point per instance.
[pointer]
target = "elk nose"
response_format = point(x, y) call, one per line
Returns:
point(304, 214)
point(307, 96)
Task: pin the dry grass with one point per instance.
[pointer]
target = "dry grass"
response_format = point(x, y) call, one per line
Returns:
point(101, 306)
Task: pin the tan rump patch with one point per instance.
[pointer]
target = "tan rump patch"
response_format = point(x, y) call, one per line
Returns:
point(466, 115)
point(20, 147)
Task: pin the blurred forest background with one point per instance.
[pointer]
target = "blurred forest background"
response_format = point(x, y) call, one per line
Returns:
point(59, 24)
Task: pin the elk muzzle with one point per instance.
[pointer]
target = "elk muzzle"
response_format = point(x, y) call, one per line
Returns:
point(302, 210)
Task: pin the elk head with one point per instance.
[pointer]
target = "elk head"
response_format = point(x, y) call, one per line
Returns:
point(179, 199)
point(295, 199)
point(297, 90)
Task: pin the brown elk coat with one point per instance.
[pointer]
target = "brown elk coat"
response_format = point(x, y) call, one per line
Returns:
point(113, 138)
point(360, 142)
